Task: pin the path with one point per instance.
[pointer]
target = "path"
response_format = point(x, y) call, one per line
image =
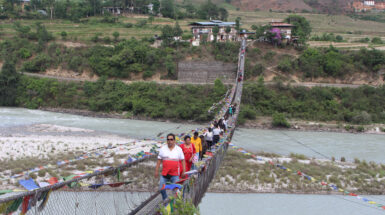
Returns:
point(171, 82)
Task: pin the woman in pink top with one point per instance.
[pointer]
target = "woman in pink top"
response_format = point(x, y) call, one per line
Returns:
point(188, 151)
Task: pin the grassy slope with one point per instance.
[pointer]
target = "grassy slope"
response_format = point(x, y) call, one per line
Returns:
point(338, 24)
point(321, 23)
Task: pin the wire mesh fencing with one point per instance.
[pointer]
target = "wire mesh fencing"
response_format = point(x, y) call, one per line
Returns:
point(111, 191)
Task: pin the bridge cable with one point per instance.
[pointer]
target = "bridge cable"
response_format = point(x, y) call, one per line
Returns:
point(358, 203)
point(306, 146)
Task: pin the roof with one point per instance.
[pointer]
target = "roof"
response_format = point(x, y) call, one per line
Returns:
point(246, 32)
point(213, 23)
point(280, 24)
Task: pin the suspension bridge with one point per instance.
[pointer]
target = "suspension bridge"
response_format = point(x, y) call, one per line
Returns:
point(115, 190)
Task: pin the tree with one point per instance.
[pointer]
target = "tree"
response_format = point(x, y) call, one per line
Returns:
point(177, 30)
point(219, 88)
point(168, 9)
point(156, 7)
point(9, 81)
point(302, 27)
point(116, 36)
point(260, 30)
point(190, 9)
point(310, 63)
point(208, 11)
point(223, 14)
point(167, 35)
point(42, 34)
point(227, 30)
point(215, 33)
point(238, 24)
point(63, 35)
point(49, 4)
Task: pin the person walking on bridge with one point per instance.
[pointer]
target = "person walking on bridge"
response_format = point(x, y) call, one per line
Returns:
point(209, 138)
point(234, 107)
point(189, 152)
point(216, 133)
point(171, 156)
point(197, 143)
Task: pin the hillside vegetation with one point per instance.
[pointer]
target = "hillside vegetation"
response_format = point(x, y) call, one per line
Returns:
point(362, 105)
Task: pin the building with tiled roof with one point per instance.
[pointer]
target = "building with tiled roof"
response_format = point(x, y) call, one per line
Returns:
point(368, 5)
point(204, 31)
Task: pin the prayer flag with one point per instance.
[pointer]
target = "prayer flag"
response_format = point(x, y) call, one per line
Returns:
point(28, 184)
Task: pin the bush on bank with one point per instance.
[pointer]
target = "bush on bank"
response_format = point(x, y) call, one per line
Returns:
point(146, 99)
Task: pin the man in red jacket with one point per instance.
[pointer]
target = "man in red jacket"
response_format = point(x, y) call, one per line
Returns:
point(170, 157)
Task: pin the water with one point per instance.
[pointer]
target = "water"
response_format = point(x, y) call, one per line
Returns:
point(370, 147)
point(364, 146)
point(133, 128)
point(284, 204)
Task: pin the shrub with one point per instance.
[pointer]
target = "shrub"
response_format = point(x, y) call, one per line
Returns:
point(298, 156)
point(109, 19)
point(95, 38)
point(107, 39)
point(377, 40)
point(360, 128)
point(75, 63)
point(279, 120)
point(39, 64)
point(357, 161)
point(343, 159)
point(141, 23)
point(147, 74)
point(116, 36)
point(247, 112)
point(24, 53)
point(285, 65)
point(364, 40)
point(187, 36)
point(362, 118)
point(269, 56)
point(63, 35)
point(128, 25)
point(349, 127)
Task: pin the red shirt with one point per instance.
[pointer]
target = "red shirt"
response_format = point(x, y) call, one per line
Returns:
point(171, 164)
point(188, 151)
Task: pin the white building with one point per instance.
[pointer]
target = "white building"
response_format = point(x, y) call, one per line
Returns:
point(369, 3)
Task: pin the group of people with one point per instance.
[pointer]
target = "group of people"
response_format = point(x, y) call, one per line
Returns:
point(176, 160)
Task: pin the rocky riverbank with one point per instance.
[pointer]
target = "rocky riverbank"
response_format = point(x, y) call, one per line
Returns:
point(242, 173)
point(302, 125)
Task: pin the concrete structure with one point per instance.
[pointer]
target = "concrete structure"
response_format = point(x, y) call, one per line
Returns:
point(206, 72)
point(204, 31)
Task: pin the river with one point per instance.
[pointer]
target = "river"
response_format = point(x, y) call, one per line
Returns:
point(364, 146)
